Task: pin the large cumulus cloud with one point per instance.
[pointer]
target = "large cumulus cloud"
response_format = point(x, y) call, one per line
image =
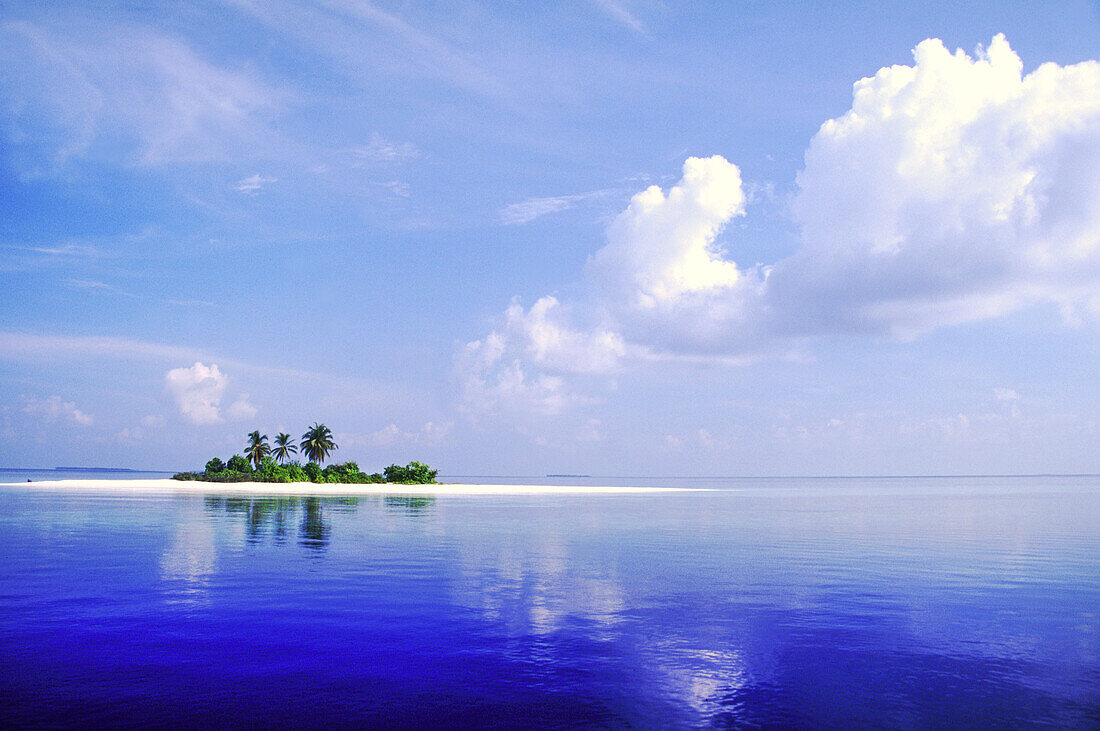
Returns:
point(956, 189)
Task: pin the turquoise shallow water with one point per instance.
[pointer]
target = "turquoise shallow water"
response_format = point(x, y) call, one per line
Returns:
point(761, 602)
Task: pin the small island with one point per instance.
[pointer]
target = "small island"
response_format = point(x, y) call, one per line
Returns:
point(260, 462)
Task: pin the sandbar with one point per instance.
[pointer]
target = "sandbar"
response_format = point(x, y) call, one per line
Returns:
point(309, 488)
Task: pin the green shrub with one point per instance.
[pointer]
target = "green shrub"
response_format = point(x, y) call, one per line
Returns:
point(237, 463)
point(414, 473)
point(215, 466)
point(267, 470)
point(312, 471)
point(295, 473)
point(228, 476)
point(348, 472)
point(187, 476)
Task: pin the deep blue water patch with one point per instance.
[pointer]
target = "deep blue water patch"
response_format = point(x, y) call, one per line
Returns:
point(763, 603)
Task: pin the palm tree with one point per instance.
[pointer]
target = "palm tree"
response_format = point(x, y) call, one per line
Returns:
point(317, 443)
point(257, 448)
point(284, 447)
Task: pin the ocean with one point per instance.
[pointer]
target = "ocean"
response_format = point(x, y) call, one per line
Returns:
point(780, 602)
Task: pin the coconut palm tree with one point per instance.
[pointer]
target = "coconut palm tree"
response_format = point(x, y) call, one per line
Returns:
point(284, 447)
point(257, 449)
point(317, 443)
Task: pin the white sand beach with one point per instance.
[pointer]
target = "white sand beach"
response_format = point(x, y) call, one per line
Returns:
point(308, 488)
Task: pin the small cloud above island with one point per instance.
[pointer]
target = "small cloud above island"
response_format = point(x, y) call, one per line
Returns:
point(198, 390)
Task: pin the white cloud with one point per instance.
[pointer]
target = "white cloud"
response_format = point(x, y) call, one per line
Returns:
point(397, 188)
point(82, 251)
point(430, 433)
point(550, 343)
point(1008, 400)
point(491, 384)
point(388, 436)
point(54, 409)
point(665, 279)
point(27, 346)
point(128, 435)
point(956, 189)
point(253, 184)
point(94, 285)
point(521, 367)
point(435, 432)
point(363, 39)
point(706, 439)
point(197, 391)
point(381, 150)
point(90, 87)
point(531, 208)
point(240, 409)
point(528, 210)
point(662, 247)
point(617, 11)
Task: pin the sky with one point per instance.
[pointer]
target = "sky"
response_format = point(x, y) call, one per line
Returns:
point(608, 237)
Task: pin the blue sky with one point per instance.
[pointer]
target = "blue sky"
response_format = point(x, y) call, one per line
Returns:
point(601, 237)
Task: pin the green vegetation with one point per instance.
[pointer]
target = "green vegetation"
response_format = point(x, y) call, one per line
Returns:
point(261, 463)
point(414, 473)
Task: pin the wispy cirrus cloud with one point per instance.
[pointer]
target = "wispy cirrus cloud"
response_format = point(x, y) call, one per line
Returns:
point(69, 251)
point(253, 184)
point(113, 90)
point(618, 11)
point(363, 38)
point(529, 209)
point(15, 346)
point(95, 284)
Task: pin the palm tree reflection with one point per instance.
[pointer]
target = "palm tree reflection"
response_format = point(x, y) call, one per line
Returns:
point(272, 517)
point(313, 531)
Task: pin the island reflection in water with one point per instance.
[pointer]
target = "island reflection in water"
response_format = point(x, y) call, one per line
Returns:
point(273, 516)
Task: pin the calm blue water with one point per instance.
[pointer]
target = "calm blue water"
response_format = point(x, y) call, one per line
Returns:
point(886, 603)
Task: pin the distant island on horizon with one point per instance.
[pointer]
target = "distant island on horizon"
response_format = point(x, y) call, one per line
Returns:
point(262, 463)
point(78, 469)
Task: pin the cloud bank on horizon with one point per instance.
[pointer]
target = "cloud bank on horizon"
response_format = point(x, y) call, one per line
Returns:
point(954, 190)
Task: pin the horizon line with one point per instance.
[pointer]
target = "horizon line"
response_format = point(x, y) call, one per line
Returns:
point(638, 477)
